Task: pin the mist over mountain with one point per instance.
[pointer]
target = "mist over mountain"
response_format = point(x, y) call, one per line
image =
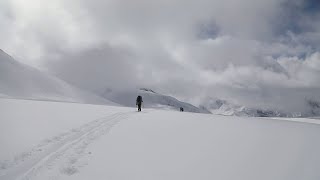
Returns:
point(224, 107)
point(151, 99)
point(18, 80)
point(22, 81)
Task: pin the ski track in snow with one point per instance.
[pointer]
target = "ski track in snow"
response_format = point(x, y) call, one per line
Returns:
point(61, 155)
point(65, 154)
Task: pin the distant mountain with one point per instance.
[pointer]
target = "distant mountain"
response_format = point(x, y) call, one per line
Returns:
point(314, 107)
point(151, 99)
point(223, 107)
point(18, 80)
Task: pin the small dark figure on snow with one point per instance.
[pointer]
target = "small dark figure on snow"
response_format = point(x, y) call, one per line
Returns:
point(139, 102)
point(181, 109)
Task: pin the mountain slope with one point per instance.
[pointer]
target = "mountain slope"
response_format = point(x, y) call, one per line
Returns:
point(151, 99)
point(21, 81)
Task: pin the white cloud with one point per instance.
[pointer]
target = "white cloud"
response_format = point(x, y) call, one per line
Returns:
point(249, 54)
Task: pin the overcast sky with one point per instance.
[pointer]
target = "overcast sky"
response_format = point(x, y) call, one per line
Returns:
point(247, 51)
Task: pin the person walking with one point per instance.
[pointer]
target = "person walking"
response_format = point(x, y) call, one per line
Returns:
point(139, 102)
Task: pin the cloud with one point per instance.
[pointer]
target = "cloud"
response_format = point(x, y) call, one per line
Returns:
point(248, 51)
point(97, 69)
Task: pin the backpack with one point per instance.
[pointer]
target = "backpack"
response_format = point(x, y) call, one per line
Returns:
point(139, 99)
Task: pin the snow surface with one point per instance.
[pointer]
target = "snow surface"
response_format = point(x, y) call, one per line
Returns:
point(51, 140)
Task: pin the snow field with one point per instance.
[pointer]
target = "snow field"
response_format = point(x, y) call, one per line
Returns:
point(46, 140)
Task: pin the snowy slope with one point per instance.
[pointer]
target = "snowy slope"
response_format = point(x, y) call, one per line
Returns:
point(151, 99)
point(50, 140)
point(21, 81)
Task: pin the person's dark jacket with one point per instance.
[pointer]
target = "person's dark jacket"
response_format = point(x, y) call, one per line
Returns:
point(139, 100)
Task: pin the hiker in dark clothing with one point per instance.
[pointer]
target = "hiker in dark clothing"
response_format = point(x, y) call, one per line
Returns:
point(181, 109)
point(139, 102)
